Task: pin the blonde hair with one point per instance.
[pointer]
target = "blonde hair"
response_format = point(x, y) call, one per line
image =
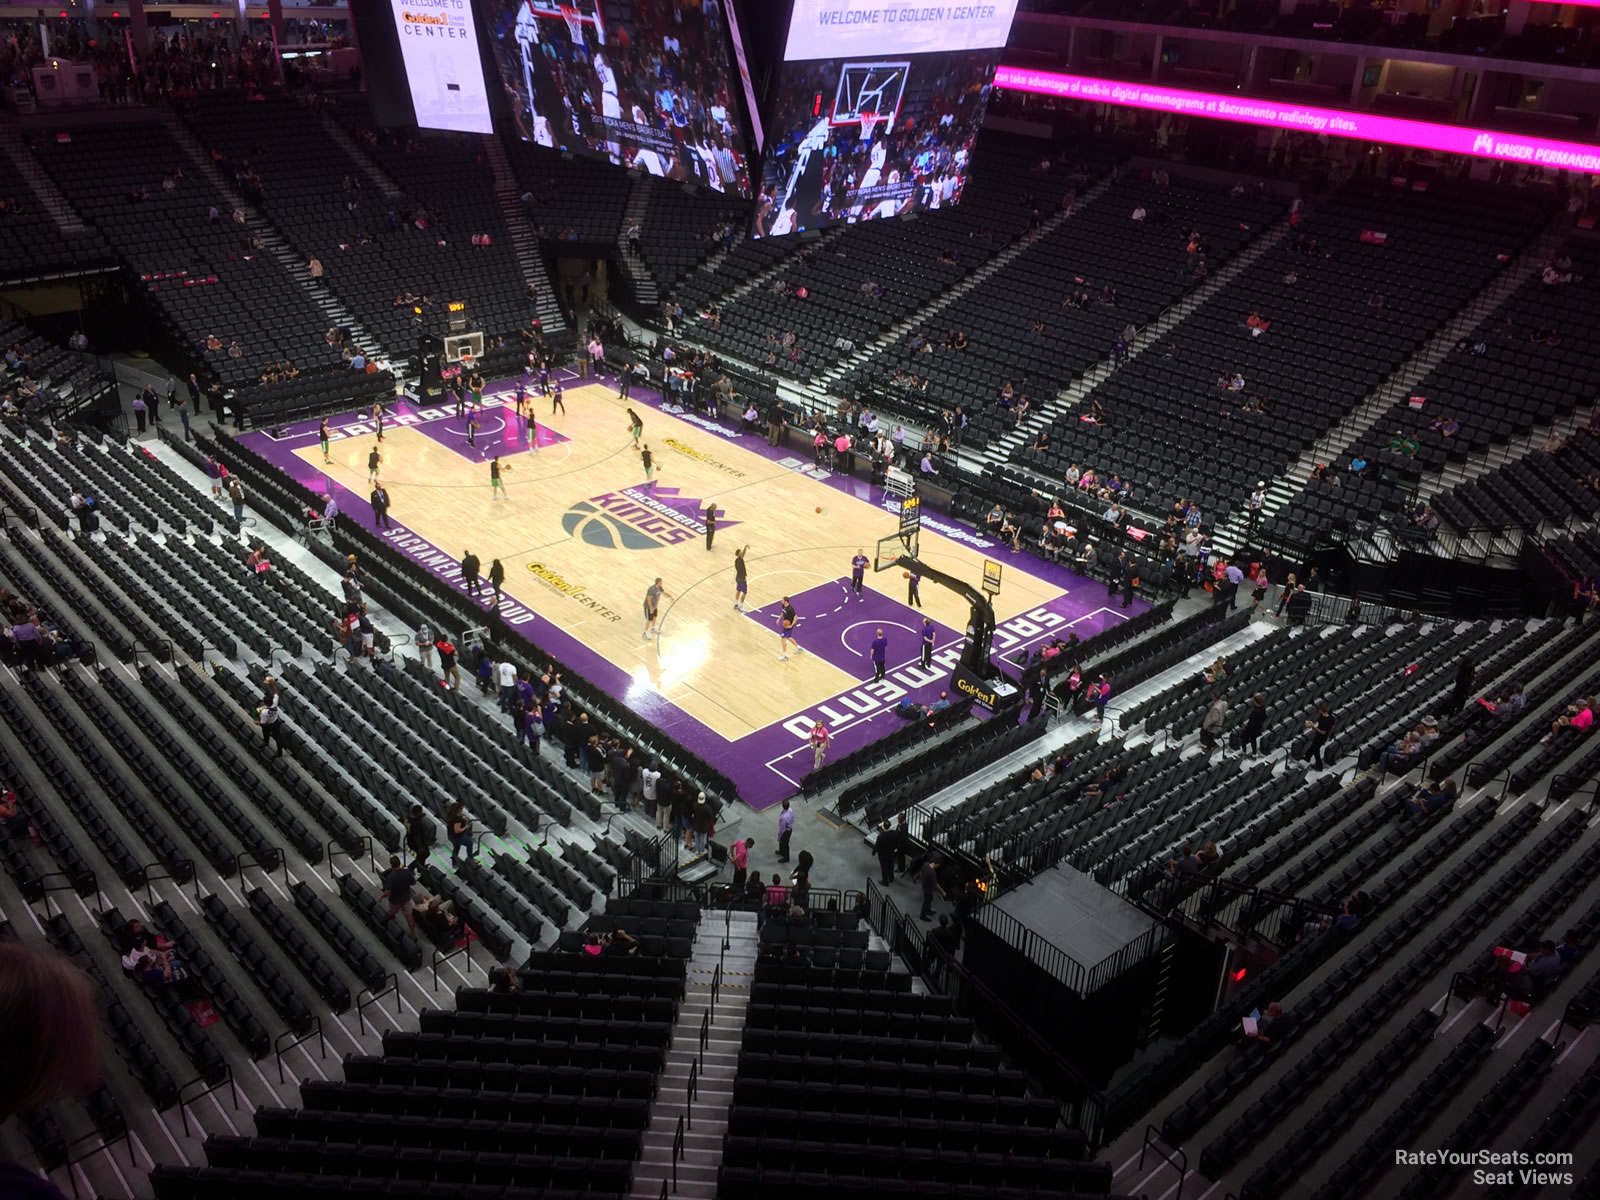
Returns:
point(48, 1043)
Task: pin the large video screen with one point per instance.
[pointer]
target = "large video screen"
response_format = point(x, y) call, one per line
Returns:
point(876, 109)
point(866, 139)
point(642, 83)
point(439, 46)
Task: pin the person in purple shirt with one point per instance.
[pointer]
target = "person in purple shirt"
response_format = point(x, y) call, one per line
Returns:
point(858, 569)
point(880, 652)
point(26, 634)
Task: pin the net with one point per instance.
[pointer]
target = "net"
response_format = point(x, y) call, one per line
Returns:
point(871, 122)
point(575, 22)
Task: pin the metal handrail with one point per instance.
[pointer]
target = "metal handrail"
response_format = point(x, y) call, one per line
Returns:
point(705, 1037)
point(279, 1045)
point(692, 1093)
point(43, 887)
point(373, 997)
point(333, 848)
point(244, 859)
point(156, 870)
point(1152, 1136)
point(442, 956)
point(678, 1152)
point(183, 1105)
point(141, 648)
point(125, 1138)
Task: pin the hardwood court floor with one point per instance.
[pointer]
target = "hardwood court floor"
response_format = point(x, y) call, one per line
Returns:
point(713, 663)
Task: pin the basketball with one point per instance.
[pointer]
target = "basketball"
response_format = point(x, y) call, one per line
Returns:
point(819, 508)
point(905, 574)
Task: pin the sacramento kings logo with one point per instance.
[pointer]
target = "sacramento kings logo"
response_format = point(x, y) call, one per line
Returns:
point(587, 523)
point(645, 517)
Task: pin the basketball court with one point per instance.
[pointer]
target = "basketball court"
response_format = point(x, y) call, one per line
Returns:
point(582, 531)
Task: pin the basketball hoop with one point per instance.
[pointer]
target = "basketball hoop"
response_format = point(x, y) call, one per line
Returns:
point(869, 124)
point(575, 22)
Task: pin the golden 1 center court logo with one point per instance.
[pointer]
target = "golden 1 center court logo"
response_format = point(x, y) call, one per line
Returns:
point(645, 517)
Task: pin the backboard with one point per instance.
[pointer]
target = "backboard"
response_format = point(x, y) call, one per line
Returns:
point(463, 346)
point(869, 89)
point(893, 548)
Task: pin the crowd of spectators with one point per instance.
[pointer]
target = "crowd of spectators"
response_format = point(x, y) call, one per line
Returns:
point(28, 640)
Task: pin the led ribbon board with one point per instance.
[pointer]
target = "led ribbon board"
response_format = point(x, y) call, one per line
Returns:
point(1397, 131)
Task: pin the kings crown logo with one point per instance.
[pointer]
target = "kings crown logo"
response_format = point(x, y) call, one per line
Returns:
point(647, 517)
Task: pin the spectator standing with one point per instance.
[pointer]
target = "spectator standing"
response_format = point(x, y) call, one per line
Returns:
point(785, 831)
point(458, 828)
point(1250, 734)
point(419, 836)
point(1321, 726)
point(380, 506)
point(469, 572)
point(929, 878)
point(621, 764)
point(270, 717)
point(649, 785)
point(819, 739)
point(506, 678)
point(1211, 723)
point(885, 852)
point(236, 494)
point(1466, 672)
point(701, 817)
point(740, 854)
point(398, 883)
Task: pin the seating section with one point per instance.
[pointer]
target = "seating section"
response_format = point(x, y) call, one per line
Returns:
point(680, 228)
point(32, 243)
point(892, 1083)
point(203, 276)
point(375, 247)
point(1144, 262)
point(576, 203)
point(1528, 363)
point(61, 379)
point(548, 1087)
point(889, 270)
point(1171, 425)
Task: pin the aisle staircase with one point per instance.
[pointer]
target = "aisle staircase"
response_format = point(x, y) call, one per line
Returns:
point(645, 293)
point(1283, 488)
point(49, 196)
point(927, 312)
point(369, 168)
point(274, 242)
point(508, 194)
point(1000, 450)
point(683, 1142)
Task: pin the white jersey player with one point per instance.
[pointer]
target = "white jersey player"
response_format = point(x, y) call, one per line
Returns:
point(610, 104)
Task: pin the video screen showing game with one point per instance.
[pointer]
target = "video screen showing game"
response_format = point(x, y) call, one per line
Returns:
point(641, 83)
point(863, 139)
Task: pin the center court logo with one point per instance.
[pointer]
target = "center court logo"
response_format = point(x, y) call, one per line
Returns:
point(646, 517)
